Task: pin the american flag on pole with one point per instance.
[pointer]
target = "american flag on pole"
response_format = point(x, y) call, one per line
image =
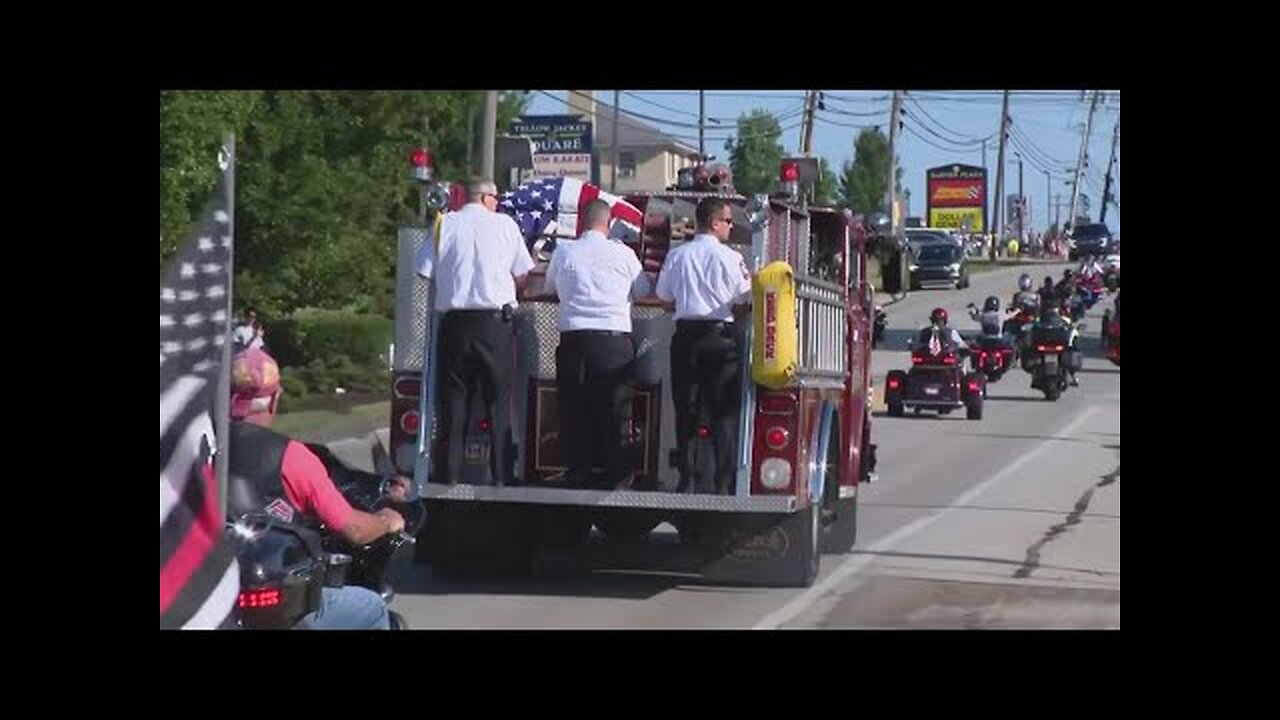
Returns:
point(199, 577)
point(549, 206)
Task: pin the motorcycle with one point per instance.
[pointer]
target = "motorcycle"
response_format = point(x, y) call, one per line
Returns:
point(1050, 357)
point(878, 327)
point(285, 566)
point(991, 356)
point(935, 382)
point(1111, 335)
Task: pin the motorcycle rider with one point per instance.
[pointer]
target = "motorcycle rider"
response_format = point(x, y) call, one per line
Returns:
point(989, 318)
point(1048, 294)
point(1025, 297)
point(1051, 317)
point(938, 327)
point(272, 473)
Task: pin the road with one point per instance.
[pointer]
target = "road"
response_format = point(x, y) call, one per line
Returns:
point(1008, 522)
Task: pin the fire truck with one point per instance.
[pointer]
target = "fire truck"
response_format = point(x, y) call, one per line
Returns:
point(804, 433)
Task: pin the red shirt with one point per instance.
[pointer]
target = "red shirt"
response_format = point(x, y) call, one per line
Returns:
point(309, 488)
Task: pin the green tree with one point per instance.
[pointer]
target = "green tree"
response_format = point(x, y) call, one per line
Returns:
point(825, 190)
point(191, 128)
point(863, 183)
point(755, 153)
point(321, 184)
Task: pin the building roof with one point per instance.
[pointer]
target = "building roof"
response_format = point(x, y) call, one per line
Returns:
point(634, 133)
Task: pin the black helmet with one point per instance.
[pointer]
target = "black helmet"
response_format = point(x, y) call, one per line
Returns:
point(1048, 281)
point(1024, 282)
point(1067, 274)
point(991, 304)
point(938, 316)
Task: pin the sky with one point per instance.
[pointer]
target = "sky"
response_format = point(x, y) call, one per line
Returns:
point(942, 127)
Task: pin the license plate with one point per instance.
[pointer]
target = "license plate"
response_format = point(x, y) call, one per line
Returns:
point(477, 452)
point(932, 390)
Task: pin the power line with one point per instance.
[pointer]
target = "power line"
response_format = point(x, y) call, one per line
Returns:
point(858, 100)
point(852, 113)
point(846, 125)
point(926, 141)
point(1026, 139)
point(641, 116)
point(716, 93)
point(964, 138)
point(967, 145)
point(1034, 159)
point(632, 95)
point(625, 114)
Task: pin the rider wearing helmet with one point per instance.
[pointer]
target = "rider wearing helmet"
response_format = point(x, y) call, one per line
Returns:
point(1025, 297)
point(938, 323)
point(1051, 316)
point(1066, 288)
point(989, 317)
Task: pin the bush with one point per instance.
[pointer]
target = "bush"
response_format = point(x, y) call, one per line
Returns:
point(318, 377)
point(294, 386)
point(330, 334)
point(313, 334)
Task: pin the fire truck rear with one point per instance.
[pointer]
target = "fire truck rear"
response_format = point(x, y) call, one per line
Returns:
point(804, 432)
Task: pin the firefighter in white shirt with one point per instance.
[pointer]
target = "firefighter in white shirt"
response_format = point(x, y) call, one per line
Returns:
point(480, 261)
point(596, 278)
point(703, 280)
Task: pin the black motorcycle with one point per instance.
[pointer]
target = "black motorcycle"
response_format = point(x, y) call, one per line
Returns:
point(285, 566)
point(991, 356)
point(1050, 357)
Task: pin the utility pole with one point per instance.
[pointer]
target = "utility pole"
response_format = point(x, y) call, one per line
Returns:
point(1022, 201)
point(1106, 189)
point(893, 156)
point(999, 198)
point(613, 174)
point(1082, 160)
point(489, 130)
point(806, 134)
point(702, 125)
point(1048, 191)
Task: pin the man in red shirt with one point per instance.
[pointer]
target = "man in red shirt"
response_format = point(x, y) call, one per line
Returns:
point(270, 472)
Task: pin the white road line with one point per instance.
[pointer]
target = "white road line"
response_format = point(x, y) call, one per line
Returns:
point(798, 604)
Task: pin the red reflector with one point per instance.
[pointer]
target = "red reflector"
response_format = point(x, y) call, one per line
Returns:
point(484, 426)
point(790, 172)
point(259, 598)
point(949, 360)
point(409, 387)
point(704, 431)
point(916, 359)
point(894, 383)
point(776, 438)
point(409, 422)
point(776, 404)
point(973, 386)
point(420, 158)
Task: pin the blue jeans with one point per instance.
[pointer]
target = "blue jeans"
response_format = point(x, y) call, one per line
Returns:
point(349, 608)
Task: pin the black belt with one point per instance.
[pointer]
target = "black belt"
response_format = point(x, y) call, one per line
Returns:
point(701, 323)
point(475, 313)
point(609, 333)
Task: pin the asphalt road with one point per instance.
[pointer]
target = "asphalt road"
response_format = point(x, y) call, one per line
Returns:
point(1012, 521)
